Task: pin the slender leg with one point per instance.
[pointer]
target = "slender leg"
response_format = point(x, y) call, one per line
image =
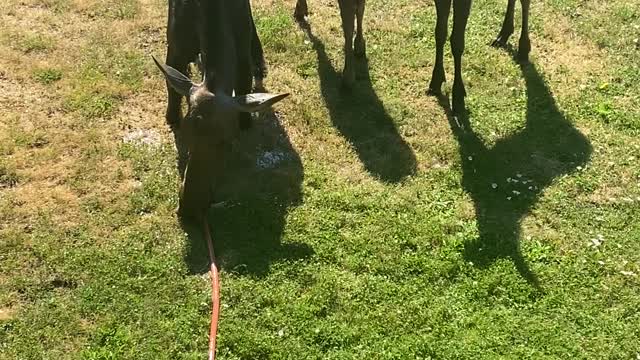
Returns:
point(183, 48)
point(348, 14)
point(524, 46)
point(507, 26)
point(301, 10)
point(243, 86)
point(461, 9)
point(443, 7)
point(257, 54)
point(360, 47)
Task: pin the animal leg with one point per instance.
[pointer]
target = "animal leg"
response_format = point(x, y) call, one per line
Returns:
point(257, 54)
point(461, 9)
point(243, 87)
point(301, 10)
point(443, 7)
point(507, 26)
point(524, 46)
point(348, 13)
point(360, 48)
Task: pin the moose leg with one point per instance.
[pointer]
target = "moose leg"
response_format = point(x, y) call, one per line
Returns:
point(243, 85)
point(301, 10)
point(461, 9)
point(348, 14)
point(182, 41)
point(507, 26)
point(524, 47)
point(257, 55)
point(443, 7)
point(360, 47)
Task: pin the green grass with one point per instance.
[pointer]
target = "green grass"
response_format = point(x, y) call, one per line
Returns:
point(105, 76)
point(8, 177)
point(115, 10)
point(47, 76)
point(57, 6)
point(384, 233)
point(31, 43)
point(94, 104)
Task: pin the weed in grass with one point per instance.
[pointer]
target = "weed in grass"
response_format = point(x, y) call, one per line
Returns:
point(108, 63)
point(30, 139)
point(116, 10)
point(8, 177)
point(273, 28)
point(47, 76)
point(57, 6)
point(32, 43)
point(93, 104)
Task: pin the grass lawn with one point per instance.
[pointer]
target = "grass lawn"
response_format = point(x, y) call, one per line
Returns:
point(355, 226)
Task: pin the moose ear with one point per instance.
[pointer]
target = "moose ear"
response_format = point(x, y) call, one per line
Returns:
point(256, 102)
point(178, 81)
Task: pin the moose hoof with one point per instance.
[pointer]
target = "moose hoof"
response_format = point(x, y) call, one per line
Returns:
point(499, 42)
point(435, 87)
point(434, 91)
point(437, 79)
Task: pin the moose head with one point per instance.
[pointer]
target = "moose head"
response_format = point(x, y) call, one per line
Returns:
point(209, 125)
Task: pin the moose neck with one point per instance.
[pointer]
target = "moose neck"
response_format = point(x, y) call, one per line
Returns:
point(217, 45)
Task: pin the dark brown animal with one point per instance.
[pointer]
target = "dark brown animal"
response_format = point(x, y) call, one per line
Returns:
point(351, 11)
point(223, 34)
point(461, 9)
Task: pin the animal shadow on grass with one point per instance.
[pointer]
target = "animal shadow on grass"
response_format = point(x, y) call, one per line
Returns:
point(361, 118)
point(548, 147)
point(262, 181)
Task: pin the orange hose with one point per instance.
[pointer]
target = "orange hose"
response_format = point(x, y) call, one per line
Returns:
point(215, 293)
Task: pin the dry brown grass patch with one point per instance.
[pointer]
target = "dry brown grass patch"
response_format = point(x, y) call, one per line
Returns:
point(567, 58)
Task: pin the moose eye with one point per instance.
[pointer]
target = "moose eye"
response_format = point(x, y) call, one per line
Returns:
point(194, 117)
point(198, 123)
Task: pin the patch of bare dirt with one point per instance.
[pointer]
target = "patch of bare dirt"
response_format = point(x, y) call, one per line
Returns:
point(6, 314)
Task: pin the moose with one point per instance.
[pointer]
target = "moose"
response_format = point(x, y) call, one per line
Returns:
point(223, 35)
point(354, 9)
point(351, 11)
point(461, 10)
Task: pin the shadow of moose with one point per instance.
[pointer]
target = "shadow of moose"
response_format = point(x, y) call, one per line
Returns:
point(361, 118)
point(506, 180)
point(262, 181)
